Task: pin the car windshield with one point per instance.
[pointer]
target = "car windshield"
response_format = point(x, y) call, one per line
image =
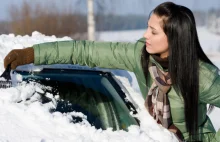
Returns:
point(93, 93)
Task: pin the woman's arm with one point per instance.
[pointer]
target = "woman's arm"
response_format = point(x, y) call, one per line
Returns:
point(116, 55)
point(209, 84)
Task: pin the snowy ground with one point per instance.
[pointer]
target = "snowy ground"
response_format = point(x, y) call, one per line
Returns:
point(31, 121)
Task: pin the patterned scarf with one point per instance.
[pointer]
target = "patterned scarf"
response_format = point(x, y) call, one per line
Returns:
point(157, 102)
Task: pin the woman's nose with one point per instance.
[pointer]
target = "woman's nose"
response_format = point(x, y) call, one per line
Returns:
point(146, 34)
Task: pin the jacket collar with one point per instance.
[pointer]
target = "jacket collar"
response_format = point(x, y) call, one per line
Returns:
point(156, 61)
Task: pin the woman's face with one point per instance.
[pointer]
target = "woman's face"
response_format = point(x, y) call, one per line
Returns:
point(156, 39)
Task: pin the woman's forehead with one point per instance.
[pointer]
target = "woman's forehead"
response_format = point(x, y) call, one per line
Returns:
point(155, 22)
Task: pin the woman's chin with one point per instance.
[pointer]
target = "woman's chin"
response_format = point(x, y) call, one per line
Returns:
point(150, 51)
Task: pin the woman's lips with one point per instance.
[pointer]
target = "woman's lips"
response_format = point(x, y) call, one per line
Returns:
point(147, 43)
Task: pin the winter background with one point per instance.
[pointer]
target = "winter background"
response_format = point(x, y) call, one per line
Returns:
point(30, 121)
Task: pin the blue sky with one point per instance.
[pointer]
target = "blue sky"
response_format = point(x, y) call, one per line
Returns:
point(118, 6)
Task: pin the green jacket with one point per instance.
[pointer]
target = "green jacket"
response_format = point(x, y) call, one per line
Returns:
point(127, 56)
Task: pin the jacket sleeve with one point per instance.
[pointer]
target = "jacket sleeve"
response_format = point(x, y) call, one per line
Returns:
point(209, 84)
point(116, 55)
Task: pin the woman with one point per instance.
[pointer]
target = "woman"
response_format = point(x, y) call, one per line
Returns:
point(175, 76)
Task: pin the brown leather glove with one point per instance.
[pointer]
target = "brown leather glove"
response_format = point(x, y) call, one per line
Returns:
point(19, 57)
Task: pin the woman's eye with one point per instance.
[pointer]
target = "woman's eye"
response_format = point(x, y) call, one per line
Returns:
point(154, 33)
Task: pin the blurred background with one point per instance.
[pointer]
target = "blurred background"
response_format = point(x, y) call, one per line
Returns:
point(69, 17)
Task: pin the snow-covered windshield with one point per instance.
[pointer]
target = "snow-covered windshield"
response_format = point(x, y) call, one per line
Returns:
point(93, 93)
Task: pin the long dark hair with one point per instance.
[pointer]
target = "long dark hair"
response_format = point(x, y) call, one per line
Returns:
point(184, 55)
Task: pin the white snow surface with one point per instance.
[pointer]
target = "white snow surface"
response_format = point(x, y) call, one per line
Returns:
point(31, 121)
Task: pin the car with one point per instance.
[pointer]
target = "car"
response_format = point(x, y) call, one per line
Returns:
point(96, 93)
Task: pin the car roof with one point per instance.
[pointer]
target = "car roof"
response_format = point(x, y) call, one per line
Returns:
point(33, 68)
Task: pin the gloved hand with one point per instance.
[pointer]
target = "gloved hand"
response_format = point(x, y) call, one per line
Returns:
point(19, 57)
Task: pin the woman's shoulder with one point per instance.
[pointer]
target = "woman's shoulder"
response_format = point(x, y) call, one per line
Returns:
point(140, 43)
point(209, 84)
point(208, 74)
point(207, 68)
